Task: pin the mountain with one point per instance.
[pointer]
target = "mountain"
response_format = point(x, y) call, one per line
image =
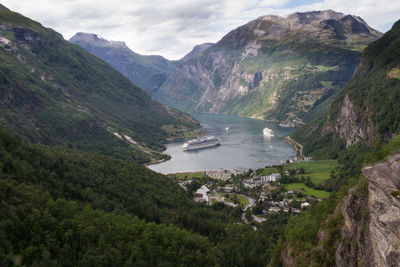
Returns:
point(367, 108)
point(276, 68)
point(196, 51)
point(359, 223)
point(147, 72)
point(54, 92)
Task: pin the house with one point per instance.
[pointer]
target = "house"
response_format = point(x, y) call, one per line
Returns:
point(290, 192)
point(219, 175)
point(305, 205)
point(274, 209)
point(259, 220)
point(270, 178)
point(228, 189)
point(202, 194)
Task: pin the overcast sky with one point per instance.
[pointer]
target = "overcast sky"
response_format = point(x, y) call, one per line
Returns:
point(172, 27)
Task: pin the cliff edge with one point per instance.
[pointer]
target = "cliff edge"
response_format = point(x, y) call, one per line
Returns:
point(371, 232)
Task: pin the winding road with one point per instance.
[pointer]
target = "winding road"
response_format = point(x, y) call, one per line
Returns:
point(251, 203)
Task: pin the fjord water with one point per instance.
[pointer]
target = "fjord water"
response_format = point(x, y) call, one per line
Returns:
point(242, 146)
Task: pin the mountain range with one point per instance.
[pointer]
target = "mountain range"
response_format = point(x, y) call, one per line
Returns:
point(275, 68)
point(64, 206)
point(54, 92)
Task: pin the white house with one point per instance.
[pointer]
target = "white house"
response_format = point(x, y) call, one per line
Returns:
point(305, 205)
point(271, 178)
point(202, 194)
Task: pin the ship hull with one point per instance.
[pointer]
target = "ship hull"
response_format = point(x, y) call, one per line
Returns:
point(201, 146)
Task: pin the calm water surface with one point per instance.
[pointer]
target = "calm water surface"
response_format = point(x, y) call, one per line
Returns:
point(243, 146)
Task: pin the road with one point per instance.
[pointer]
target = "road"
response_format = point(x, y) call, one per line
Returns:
point(251, 203)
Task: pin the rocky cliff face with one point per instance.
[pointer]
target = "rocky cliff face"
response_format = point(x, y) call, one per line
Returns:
point(371, 234)
point(351, 127)
point(278, 68)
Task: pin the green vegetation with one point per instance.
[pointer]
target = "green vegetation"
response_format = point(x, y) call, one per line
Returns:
point(394, 73)
point(267, 171)
point(307, 191)
point(295, 75)
point(396, 194)
point(318, 170)
point(382, 150)
point(374, 94)
point(61, 206)
point(301, 93)
point(47, 232)
point(188, 175)
point(57, 93)
point(147, 72)
point(236, 198)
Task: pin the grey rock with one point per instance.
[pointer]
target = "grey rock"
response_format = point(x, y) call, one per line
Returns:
point(373, 239)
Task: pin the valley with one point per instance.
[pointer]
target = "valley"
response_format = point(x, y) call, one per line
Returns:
point(92, 169)
point(283, 69)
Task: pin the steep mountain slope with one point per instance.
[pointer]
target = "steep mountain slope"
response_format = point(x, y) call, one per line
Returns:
point(367, 108)
point(147, 72)
point(359, 223)
point(276, 68)
point(54, 92)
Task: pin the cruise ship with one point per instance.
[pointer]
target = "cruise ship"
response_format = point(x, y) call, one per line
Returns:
point(268, 132)
point(204, 142)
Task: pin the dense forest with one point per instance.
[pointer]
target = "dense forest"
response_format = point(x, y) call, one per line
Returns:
point(68, 207)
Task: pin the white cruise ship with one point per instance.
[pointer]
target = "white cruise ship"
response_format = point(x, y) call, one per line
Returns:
point(268, 132)
point(204, 142)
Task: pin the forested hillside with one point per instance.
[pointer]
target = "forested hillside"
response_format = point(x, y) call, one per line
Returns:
point(54, 92)
point(147, 72)
point(367, 109)
point(360, 130)
point(67, 207)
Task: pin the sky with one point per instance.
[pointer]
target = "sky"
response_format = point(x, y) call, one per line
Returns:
point(171, 28)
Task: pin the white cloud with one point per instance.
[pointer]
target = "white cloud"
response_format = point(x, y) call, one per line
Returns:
point(172, 27)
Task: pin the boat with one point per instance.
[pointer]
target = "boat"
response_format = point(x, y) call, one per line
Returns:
point(227, 128)
point(199, 143)
point(268, 132)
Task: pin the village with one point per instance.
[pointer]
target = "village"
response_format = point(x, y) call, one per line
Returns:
point(287, 188)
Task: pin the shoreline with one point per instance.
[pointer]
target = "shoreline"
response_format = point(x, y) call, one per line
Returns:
point(295, 145)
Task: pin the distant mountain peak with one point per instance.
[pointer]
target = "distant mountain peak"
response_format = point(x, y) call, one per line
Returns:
point(94, 39)
point(300, 19)
point(197, 50)
point(306, 17)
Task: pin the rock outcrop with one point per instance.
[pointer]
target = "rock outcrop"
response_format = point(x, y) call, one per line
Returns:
point(371, 234)
point(350, 125)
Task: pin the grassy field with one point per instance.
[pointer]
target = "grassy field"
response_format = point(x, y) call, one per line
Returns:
point(307, 191)
point(243, 201)
point(268, 171)
point(318, 170)
point(188, 175)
